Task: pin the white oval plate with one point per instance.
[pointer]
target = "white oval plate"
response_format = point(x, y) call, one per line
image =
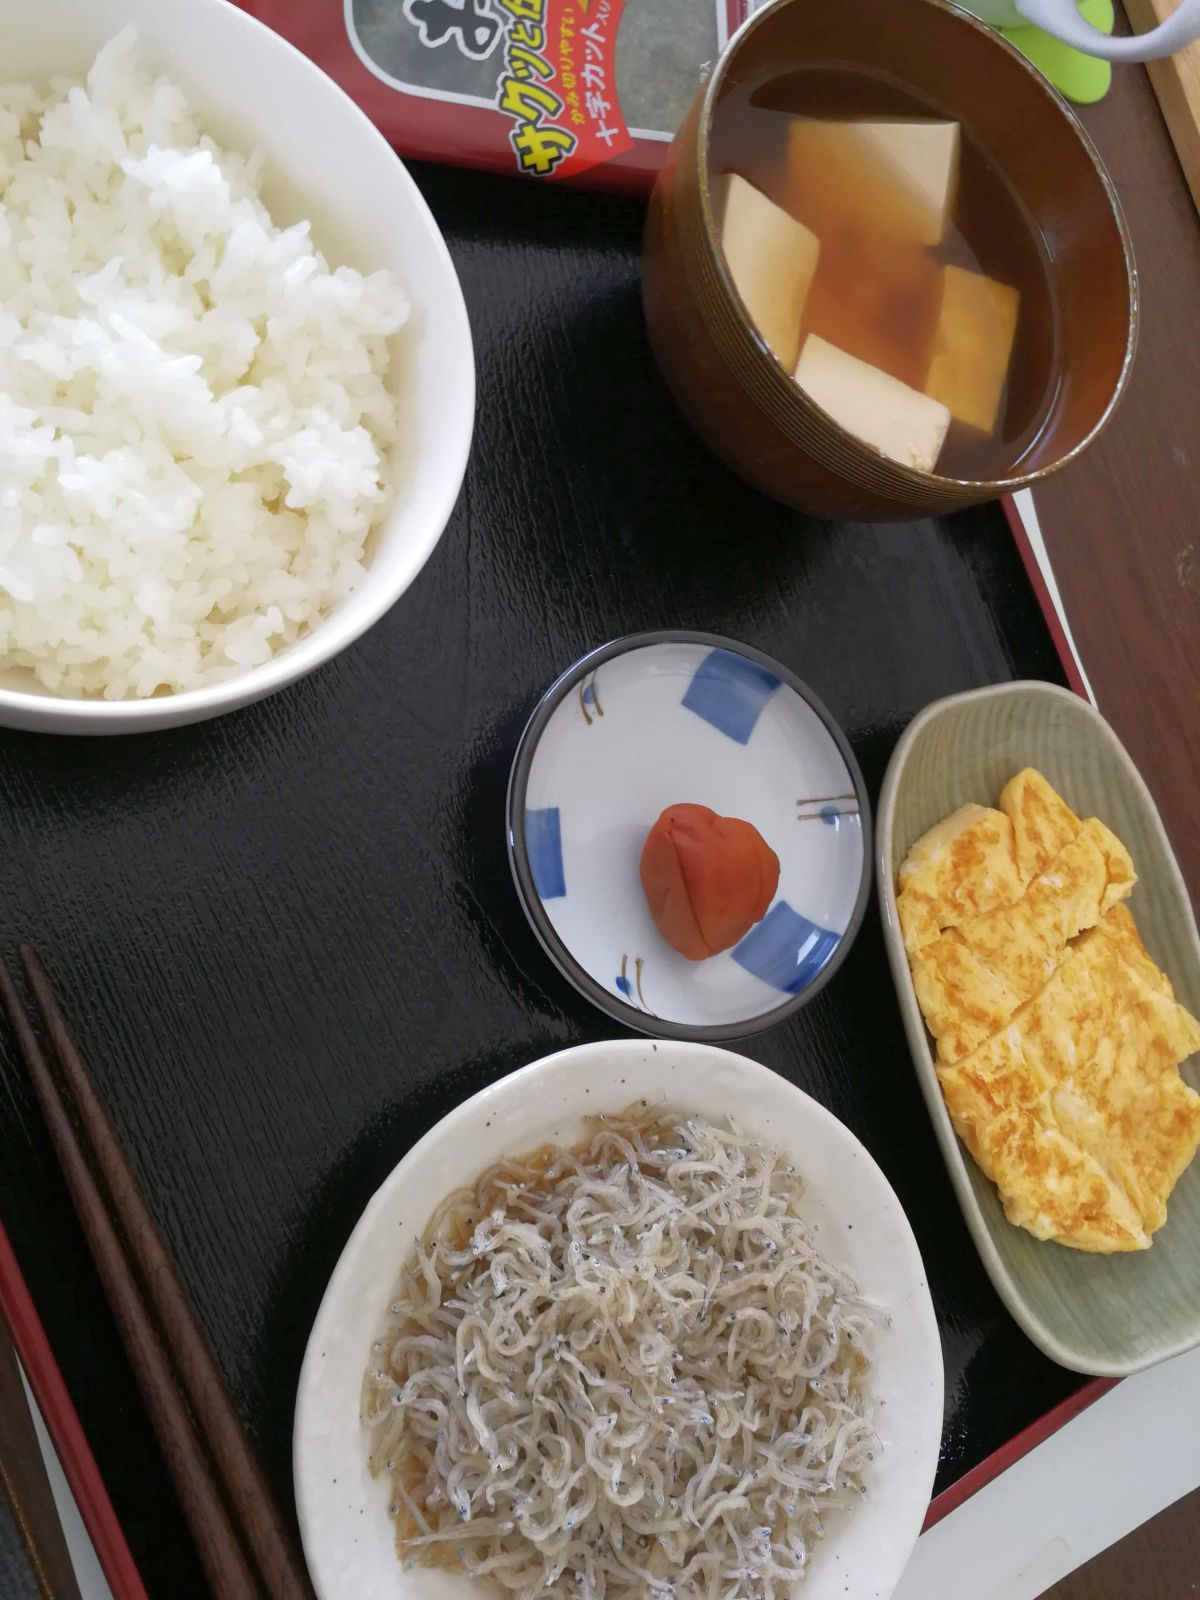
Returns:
point(348, 1536)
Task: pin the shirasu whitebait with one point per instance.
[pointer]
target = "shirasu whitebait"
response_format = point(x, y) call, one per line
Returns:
point(624, 1370)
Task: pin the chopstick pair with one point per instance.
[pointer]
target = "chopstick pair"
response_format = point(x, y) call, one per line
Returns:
point(238, 1532)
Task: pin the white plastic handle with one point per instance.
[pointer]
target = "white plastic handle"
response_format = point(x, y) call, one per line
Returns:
point(1062, 19)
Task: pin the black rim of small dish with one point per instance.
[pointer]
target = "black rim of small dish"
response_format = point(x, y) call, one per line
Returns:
point(518, 855)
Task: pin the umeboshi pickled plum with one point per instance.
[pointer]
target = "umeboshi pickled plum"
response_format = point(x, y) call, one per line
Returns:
point(708, 879)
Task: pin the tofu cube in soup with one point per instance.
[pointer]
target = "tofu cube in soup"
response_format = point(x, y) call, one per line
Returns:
point(901, 422)
point(900, 174)
point(771, 258)
point(972, 346)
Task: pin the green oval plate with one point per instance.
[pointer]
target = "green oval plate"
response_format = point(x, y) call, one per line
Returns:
point(1106, 1315)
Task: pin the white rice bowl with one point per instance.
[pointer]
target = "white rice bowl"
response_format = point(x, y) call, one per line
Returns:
point(195, 417)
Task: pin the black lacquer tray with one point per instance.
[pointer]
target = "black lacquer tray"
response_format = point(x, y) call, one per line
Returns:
point(289, 939)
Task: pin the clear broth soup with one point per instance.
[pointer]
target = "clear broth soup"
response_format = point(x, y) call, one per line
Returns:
point(880, 300)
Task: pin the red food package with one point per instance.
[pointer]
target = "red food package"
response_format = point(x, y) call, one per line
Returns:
point(589, 90)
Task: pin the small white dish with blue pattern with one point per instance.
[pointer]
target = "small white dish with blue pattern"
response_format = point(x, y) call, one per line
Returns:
point(652, 721)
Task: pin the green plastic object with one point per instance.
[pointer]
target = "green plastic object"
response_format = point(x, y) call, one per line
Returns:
point(1080, 78)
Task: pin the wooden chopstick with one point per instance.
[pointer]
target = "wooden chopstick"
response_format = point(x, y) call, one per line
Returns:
point(62, 1424)
point(216, 1542)
point(251, 1499)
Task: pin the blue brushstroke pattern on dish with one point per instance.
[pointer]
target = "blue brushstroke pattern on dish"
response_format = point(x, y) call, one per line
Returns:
point(730, 692)
point(786, 950)
point(543, 844)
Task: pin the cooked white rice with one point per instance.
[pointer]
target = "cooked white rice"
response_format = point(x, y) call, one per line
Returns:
point(194, 422)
